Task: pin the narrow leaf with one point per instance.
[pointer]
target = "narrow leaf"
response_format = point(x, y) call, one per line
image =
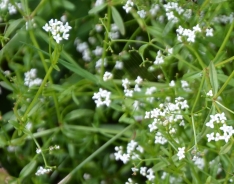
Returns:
point(213, 77)
point(97, 9)
point(28, 169)
point(118, 20)
point(226, 148)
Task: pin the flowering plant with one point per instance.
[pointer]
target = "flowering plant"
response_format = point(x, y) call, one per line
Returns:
point(116, 91)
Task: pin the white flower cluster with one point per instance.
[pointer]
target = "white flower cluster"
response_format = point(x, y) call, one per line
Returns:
point(128, 6)
point(199, 162)
point(167, 114)
point(159, 58)
point(181, 152)
point(55, 147)
point(154, 9)
point(131, 153)
point(30, 78)
point(210, 93)
point(126, 84)
point(119, 65)
point(42, 171)
point(102, 98)
point(114, 32)
point(83, 48)
point(99, 64)
point(189, 34)
point(228, 131)
point(142, 13)
point(107, 76)
point(150, 91)
point(224, 19)
point(170, 7)
point(57, 29)
point(6, 5)
point(99, 2)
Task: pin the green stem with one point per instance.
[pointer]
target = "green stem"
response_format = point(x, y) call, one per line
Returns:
point(224, 62)
point(37, 8)
point(32, 36)
point(224, 85)
point(198, 93)
point(70, 175)
point(38, 93)
point(224, 107)
point(197, 56)
point(185, 62)
point(194, 132)
point(224, 41)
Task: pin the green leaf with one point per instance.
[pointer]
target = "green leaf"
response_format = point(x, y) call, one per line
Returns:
point(97, 9)
point(168, 28)
point(118, 20)
point(6, 86)
point(28, 169)
point(56, 67)
point(13, 25)
point(76, 114)
point(15, 124)
point(68, 5)
point(223, 78)
point(217, 1)
point(226, 148)
point(213, 78)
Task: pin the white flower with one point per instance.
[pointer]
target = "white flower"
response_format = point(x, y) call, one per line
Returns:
point(210, 136)
point(197, 28)
point(57, 29)
point(210, 93)
point(42, 171)
point(142, 13)
point(128, 6)
point(172, 83)
point(30, 78)
point(209, 32)
point(102, 98)
point(107, 76)
point(181, 152)
point(119, 65)
point(38, 150)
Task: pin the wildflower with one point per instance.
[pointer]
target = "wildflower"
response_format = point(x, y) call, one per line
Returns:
point(210, 93)
point(181, 152)
point(119, 65)
point(86, 176)
point(102, 98)
point(107, 76)
point(99, 2)
point(159, 59)
point(98, 51)
point(150, 176)
point(42, 171)
point(30, 78)
point(128, 6)
point(172, 83)
point(142, 13)
point(57, 29)
point(38, 150)
point(209, 32)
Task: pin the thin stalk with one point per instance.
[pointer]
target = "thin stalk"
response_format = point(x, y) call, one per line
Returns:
point(198, 93)
point(197, 56)
point(194, 131)
point(224, 62)
point(224, 41)
point(38, 93)
point(224, 85)
point(70, 175)
point(224, 107)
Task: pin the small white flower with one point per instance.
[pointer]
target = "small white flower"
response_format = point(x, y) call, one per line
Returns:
point(210, 136)
point(102, 98)
point(181, 152)
point(42, 171)
point(142, 13)
point(107, 76)
point(209, 32)
point(210, 93)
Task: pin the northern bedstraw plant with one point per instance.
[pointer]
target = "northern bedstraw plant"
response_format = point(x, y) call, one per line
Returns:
point(116, 91)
